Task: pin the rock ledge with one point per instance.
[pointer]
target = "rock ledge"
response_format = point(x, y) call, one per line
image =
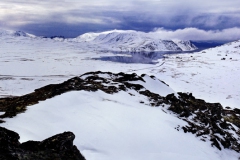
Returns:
point(58, 147)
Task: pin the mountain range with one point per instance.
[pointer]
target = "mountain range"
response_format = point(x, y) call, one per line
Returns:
point(119, 41)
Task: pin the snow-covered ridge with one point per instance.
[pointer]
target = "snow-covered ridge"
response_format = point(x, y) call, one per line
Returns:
point(150, 83)
point(104, 107)
point(132, 41)
point(116, 40)
point(15, 33)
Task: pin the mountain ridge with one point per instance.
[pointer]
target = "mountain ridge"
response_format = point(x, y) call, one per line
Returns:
point(117, 40)
point(16, 33)
point(133, 41)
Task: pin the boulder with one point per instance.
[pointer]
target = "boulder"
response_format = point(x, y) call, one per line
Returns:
point(58, 147)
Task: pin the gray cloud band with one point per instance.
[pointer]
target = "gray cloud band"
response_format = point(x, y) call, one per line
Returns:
point(71, 18)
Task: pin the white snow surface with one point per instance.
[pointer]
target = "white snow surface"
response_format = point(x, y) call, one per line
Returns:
point(212, 74)
point(115, 126)
point(155, 86)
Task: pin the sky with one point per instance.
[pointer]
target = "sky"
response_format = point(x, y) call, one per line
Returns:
point(187, 19)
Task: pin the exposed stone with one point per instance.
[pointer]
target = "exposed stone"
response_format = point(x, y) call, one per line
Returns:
point(206, 119)
point(58, 147)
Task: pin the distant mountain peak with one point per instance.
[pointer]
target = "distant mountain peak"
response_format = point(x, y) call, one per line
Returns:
point(118, 41)
point(15, 33)
point(20, 33)
point(133, 41)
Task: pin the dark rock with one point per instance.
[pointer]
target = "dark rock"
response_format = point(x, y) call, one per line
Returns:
point(215, 143)
point(30, 146)
point(58, 147)
point(209, 119)
point(52, 37)
point(236, 110)
point(8, 141)
point(224, 125)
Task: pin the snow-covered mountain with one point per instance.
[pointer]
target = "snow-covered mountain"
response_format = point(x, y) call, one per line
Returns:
point(132, 41)
point(15, 33)
point(116, 40)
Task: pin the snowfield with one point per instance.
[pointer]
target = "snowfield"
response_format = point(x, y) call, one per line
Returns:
point(212, 74)
point(116, 126)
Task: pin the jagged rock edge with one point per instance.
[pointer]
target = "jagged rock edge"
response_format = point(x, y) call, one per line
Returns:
point(59, 146)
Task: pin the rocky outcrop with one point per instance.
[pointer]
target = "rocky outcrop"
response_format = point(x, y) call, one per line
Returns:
point(91, 81)
point(208, 121)
point(58, 147)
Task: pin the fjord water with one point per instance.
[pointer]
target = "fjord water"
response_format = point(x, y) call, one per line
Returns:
point(140, 57)
point(151, 57)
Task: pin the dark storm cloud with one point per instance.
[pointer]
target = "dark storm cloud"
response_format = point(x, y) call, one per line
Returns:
point(71, 17)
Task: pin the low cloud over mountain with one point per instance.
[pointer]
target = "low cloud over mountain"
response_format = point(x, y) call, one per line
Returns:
point(198, 34)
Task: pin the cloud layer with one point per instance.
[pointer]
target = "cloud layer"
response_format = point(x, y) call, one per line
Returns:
point(72, 17)
point(196, 34)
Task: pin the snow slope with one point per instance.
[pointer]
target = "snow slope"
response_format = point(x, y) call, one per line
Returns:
point(212, 74)
point(114, 127)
